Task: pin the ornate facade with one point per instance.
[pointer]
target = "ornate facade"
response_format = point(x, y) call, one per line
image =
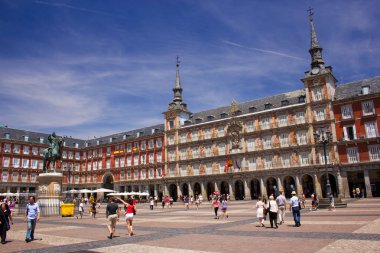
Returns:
point(245, 149)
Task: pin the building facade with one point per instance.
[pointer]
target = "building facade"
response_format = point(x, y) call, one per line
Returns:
point(244, 150)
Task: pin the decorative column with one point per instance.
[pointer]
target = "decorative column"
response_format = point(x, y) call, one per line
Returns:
point(263, 189)
point(204, 192)
point(298, 185)
point(317, 186)
point(279, 184)
point(166, 191)
point(231, 190)
point(155, 191)
point(367, 184)
point(179, 192)
point(216, 187)
point(191, 193)
point(345, 193)
point(247, 192)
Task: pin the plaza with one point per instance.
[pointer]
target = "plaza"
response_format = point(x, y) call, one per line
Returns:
point(352, 229)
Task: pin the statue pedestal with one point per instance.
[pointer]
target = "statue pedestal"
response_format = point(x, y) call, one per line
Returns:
point(49, 193)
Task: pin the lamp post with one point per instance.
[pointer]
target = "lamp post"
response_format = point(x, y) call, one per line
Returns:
point(68, 180)
point(324, 138)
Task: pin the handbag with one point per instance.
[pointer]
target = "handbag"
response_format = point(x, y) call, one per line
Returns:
point(8, 226)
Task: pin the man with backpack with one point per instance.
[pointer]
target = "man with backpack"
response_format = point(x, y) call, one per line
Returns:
point(32, 215)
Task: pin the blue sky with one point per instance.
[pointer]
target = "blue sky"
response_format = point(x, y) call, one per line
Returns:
point(102, 67)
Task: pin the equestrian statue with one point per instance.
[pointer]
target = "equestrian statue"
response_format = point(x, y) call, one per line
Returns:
point(53, 153)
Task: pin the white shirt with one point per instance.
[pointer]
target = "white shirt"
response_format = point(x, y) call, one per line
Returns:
point(294, 201)
point(81, 207)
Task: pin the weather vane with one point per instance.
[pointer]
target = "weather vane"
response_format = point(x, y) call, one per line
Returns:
point(311, 13)
point(178, 61)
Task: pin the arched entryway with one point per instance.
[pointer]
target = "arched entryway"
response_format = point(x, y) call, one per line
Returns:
point(173, 192)
point(333, 184)
point(129, 188)
point(255, 189)
point(210, 188)
point(108, 181)
point(289, 186)
point(239, 190)
point(271, 186)
point(185, 189)
point(224, 188)
point(197, 189)
point(307, 185)
point(151, 190)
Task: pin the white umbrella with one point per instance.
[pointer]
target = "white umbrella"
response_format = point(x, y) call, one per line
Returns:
point(71, 191)
point(103, 190)
point(115, 194)
point(85, 191)
point(144, 194)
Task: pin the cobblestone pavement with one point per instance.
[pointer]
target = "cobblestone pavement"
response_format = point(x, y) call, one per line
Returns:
point(353, 229)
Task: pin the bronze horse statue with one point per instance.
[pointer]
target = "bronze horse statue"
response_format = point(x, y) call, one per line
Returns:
point(53, 153)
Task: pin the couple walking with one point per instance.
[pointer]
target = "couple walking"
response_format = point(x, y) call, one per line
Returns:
point(113, 214)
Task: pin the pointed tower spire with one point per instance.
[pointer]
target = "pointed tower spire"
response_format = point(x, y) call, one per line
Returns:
point(177, 86)
point(315, 49)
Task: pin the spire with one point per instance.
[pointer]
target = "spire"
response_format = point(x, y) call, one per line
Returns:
point(315, 49)
point(177, 86)
point(177, 102)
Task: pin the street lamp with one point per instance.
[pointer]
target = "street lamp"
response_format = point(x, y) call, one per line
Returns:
point(324, 137)
point(68, 180)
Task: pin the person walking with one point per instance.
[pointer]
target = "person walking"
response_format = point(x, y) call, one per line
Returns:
point(151, 203)
point(186, 202)
point(260, 205)
point(295, 207)
point(273, 209)
point(332, 203)
point(31, 217)
point(215, 204)
point(281, 203)
point(5, 217)
point(112, 214)
point(224, 208)
point(80, 209)
point(130, 212)
point(93, 209)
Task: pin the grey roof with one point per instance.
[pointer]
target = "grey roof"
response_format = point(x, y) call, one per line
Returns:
point(354, 89)
point(275, 101)
point(34, 137)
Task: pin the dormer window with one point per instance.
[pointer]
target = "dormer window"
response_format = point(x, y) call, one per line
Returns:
point(139, 134)
point(284, 102)
point(111, 139)
point(87, 144)
point(26, 138)
point(97, 142)
point(210, 117)
point(238, 112)
point(223, 115)
point(64, 144)
point(301, 99)
point(41, 139)
point(187, 122)
point(365, 90)
point(252, 109)
point(7, 135)
point(268, 106)
point(76, 145)
point(198, 120)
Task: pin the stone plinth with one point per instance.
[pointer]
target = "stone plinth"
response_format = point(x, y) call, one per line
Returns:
point(49, 193)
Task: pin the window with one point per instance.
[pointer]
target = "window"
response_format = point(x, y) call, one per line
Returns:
point(6, 161)
point(159, 172)
point(252, 164)
point(23, 177)
point(122, 162)
point(285, 160)
point(346, 111)
point(129, 147)
point(352, 155)
point(77, 156)
point(371, 129)
point(136, 160)
point(143, 144)
point(368, 108)
point(300, 117)
point(374, 152)
point(7, 136)
point(171, 156)
point(194, 135)
point(41, 140)
point(34, 164)
point(26, 150)
point(16, 149)
point(250, 126)
point(108, 151)
point(210, 117)
point(265, 123)
point(171, 124)
point(151, 144)
point(322, 157)
point(159, 157)
point(302, 137)
point(282, 120)
point(320, 114)
point(267, 141)
point(5, 176)
point(365, 90)
point(159, 143)
point(33, 177)
point(222, 148)
point(129, 161)
point(170, 139)
point(251, 145)
point(151, 158)
point(317, 93)
point(16, 162)
point(223, 115)
point(34, 150)
point(143, 174)
point(284, 102)
point(349, 132)
point(136, 175)
point(195, 152)
point(220, 131)
point(268, 162)
point(25, 163)
point(15, 177)
point(268, 106)
point(117, 160)
point(301, 99)
point(151, 173)
point(252, 109)
point(284, 139)
point(7, 148)
point(304, 159)
point(207, 133)
point(108, 163)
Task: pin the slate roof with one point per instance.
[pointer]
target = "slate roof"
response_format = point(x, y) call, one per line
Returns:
point(353, 89)
point(34, 137)
point(275, 101)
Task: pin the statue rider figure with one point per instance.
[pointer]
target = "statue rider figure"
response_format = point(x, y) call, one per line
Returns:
point(52, 150)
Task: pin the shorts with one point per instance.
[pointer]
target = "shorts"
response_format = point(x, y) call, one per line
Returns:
point(129, 216)
point(112, 220)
